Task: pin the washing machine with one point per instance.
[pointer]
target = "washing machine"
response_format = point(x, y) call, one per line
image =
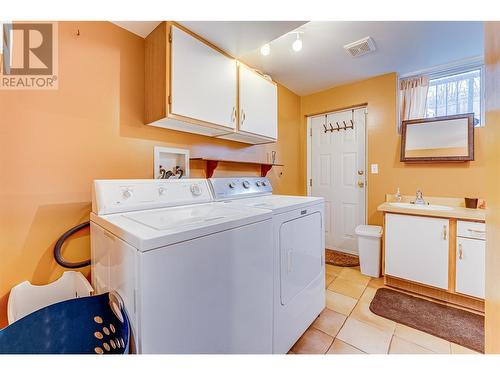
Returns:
point(196, 276)
point(298, 252)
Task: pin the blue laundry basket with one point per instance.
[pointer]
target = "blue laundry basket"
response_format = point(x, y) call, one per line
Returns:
point(87, 325)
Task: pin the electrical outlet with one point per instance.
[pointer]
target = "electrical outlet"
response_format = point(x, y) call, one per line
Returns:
point(374, 168)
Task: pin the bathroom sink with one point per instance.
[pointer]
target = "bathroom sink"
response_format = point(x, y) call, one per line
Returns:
point(430, 207)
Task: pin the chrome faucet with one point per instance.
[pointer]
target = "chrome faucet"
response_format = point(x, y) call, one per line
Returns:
point(398, 195)
point(419, 199)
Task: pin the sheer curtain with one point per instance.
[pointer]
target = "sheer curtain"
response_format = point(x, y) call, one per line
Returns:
point(412, 98)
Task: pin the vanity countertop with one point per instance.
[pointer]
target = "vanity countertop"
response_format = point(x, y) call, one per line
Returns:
point(475, 214)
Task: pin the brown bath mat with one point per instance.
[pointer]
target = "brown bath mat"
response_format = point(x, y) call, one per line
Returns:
point(455, 325)
point(340, 259)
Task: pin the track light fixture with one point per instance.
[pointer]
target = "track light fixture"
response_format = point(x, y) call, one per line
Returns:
point(297, 43)
point(265, 49)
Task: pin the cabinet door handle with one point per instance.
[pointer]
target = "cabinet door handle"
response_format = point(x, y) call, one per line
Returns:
point(233, 115)
point(445, 234)
point(242, 117)
point(460, 252)
point(289, 261)
point(481, 232)
point(476, 230)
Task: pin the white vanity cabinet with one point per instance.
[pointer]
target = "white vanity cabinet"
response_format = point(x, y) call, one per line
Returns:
point(470, 258)
point(437, 252)
point(416, 249)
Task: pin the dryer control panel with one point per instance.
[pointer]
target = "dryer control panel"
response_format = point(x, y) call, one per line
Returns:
point(240, 187)
point(114, 196)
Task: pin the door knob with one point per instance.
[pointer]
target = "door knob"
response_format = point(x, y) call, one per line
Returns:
point(360, 172)
point(361, 184)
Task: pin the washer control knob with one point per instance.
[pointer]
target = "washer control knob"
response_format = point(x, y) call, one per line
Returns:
point(127, 193)
point(258, 183)
point(195, 189)
point(246, 184)
point(264, 183)
point(232, 185)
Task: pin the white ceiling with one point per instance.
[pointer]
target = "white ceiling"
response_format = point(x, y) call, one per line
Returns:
point(141, 28)
point(402, 47)
point(234, 37)
point(241, 37)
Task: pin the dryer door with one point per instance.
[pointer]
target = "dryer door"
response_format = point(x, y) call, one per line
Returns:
point(301, 252)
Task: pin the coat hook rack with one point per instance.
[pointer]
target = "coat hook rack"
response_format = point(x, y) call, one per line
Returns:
point(338, 127)
point(348, 126)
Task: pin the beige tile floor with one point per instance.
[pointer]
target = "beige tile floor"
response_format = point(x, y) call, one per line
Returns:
point(347, 326)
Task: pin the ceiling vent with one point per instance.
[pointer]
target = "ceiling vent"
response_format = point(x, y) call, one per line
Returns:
point(360, 47)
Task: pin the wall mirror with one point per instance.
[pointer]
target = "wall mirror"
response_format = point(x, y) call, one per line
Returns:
point(437, 139)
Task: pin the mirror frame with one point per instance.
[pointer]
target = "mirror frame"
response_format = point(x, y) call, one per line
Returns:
point(430, 159)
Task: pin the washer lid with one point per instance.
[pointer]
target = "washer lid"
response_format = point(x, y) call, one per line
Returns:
point(180, 217)
point(150, 229)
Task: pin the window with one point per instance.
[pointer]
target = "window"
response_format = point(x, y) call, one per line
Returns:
point(456, 93)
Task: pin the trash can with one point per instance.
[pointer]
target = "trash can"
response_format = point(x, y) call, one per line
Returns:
point(369, 249)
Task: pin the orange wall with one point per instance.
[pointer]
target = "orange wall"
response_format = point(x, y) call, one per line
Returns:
point(437, 179)
point(492, 133)
point(54, 143)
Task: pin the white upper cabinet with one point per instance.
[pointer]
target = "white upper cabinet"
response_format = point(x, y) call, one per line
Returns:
point(258, 104)
point(203, 82)
point(192, 86)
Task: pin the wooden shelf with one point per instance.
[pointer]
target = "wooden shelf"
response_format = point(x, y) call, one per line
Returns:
point(211, 165)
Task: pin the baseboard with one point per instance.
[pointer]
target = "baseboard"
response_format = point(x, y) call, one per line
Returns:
point(438, 294)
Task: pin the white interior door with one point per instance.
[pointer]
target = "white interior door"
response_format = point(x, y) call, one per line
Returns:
point(337, 171)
